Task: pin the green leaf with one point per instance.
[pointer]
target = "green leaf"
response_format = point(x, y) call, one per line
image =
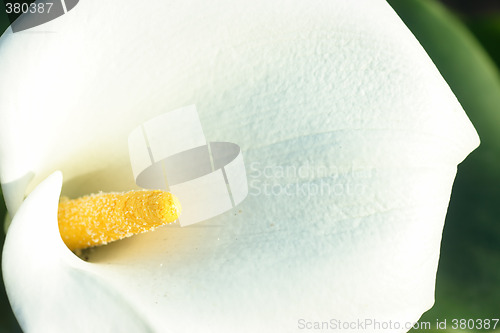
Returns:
point(4, 20)
point(487, 31)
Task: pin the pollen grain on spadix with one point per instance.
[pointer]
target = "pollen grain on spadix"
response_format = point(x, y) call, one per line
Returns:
point(98, 219)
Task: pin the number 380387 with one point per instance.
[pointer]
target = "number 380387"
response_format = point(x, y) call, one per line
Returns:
point(18, 8)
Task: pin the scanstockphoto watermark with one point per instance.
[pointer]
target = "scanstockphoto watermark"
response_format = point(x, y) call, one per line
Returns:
point(368, 324)
point(374, 325)
point(307, 180)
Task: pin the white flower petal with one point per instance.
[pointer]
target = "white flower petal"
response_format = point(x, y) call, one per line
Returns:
point(49, 288)
point(299, 86)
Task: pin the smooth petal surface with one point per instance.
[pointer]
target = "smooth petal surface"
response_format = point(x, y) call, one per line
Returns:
point(350, 137)
point(50, 289)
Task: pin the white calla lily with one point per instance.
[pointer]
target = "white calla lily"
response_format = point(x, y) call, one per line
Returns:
point(304, 87)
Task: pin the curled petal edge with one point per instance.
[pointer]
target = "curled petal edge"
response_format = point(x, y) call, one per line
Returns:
point(33, 247)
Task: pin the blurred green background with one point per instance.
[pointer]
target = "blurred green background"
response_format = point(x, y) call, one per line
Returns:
point(463, 39)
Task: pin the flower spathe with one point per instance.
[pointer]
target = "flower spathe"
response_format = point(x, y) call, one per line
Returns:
point(300, 86)
point(60, 278)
